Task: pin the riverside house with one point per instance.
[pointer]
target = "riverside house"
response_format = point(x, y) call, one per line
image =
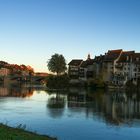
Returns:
point(80, 70)
point(115, 66)
point(74, 68)
point(128, 68)
point(86, 69)
point(4, 72)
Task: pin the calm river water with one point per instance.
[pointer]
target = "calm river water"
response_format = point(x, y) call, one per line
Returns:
point(77, 114)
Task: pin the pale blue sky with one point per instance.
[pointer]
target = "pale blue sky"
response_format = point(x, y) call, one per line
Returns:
point(33, 30)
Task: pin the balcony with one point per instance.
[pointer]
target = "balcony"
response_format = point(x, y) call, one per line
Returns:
point(119, 66)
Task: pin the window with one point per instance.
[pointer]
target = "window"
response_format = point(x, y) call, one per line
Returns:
point(74, 68)
point(127, 58)
point(137, 59)
point(135, 69)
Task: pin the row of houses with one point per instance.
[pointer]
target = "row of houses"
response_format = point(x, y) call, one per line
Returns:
point(115, 66)
point(7, 69)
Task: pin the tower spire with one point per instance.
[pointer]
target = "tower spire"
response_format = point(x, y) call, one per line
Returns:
point(88, 57)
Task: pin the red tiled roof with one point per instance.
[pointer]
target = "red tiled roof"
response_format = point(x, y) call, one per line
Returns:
point(112, 55)
point(126, 56)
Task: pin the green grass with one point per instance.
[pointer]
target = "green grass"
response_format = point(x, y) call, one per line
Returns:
point(9, 133)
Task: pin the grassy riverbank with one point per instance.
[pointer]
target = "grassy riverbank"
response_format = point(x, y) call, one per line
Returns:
point(9, 133)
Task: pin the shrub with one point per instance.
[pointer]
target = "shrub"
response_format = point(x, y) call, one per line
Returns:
point(57, 82)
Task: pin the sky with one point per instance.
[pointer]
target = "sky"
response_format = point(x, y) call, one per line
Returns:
point(31, 31)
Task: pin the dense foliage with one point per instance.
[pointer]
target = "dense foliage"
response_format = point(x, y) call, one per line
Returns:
point(57, 64)
point(96, 83)
point(16, 69)
point(57, 82)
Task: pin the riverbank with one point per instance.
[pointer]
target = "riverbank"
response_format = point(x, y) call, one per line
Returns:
point(9, 133)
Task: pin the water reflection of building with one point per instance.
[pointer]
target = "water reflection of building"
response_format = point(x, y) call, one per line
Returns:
point(114, 108)
point(3, 92)
point(16, 91)
point(120, 108)
point(76, 97)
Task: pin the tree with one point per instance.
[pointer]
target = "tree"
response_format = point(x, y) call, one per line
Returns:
point(3, 64)
point(57, 64)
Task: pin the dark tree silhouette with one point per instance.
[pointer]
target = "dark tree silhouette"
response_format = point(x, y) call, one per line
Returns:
point(57, 64)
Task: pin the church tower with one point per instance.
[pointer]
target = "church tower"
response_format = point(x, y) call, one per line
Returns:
point(88, 57)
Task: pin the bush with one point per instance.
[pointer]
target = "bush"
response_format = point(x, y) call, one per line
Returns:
point(57, 82)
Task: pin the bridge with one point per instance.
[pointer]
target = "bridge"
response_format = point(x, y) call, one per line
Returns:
point(21, 78)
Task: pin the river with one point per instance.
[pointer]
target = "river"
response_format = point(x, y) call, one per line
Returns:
point(77, 114)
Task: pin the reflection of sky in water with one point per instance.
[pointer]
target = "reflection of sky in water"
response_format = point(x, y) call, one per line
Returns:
point(67, 123)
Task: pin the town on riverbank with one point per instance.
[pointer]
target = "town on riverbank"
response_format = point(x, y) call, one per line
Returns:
point(14, 73)
point(114, 69)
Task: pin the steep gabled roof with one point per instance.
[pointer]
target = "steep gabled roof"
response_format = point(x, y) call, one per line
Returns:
point(87, 63)
point(84, 64)
point(112, 55)
point(75, 62)
point(99, 59)
point(126, 56)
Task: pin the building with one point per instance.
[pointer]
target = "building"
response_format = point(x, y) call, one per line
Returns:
point(81, 70)
point(86, 69)
point(128, 68)
point(98, 66)
point(43, 74)
point(108, 64)
point(124, 68)
point(118, 66)
point(4, 72)
point(115, 66)
point(74, 68)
